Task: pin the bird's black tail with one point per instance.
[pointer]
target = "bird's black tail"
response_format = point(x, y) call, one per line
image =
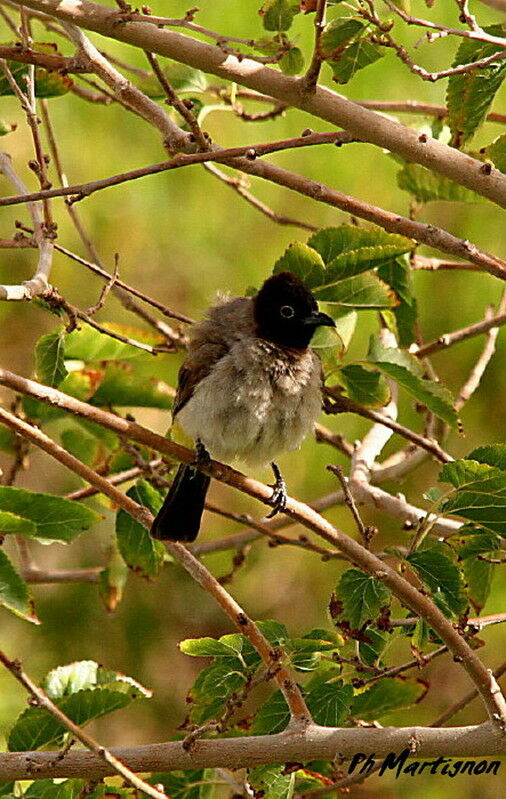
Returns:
point(179, 517)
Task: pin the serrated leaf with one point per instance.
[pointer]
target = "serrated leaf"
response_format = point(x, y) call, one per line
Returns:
point(425, 185)
point(497, 152)
point(493, 454)
point(371, 649)
point(50, 358)
point(480, 496)
point(292, 61)
point(209, 647)
point(341, 246)
point(212, 689)
point(14, 594)
point(191, 784)
point(478, 575)
point(12, 523)
point(54, 789)
point(272, 782)
point(88, 344)
point(363, 292)
point(356, 56)
point(140, 552)
point(56, 518)
point(470, 95)
point(404, 368)
point(337, 33)
point(397, 274)
point(272, 717)
point(87, 674)
point(362, 597)
point(387, 695)
point(330, 703)
point(277, 15)
point(303, 261)
point(121, 386)
point(35, 727)
point(364, 386)
point(442, 577)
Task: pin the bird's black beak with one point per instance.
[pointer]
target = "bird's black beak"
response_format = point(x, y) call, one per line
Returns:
point(318, 319)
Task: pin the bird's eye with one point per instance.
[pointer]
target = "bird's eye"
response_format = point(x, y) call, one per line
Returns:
point(287, 311)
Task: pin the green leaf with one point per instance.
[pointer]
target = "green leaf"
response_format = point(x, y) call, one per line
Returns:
point(82, 446)
point(191, 784)
point(442, 577)
point(53, 789)
point(364, 386)
point(14, 594)
point(407, 371)
point(292, 61)
point(304, 262)
point(330, 703)
point(210, 647)
point(56, 518)
point(6, 127)
point(88, 344)
point(181, 77)
point(425, 185)
point(497, 152)
point(122, 387)
point(470, 95)
point(348, 250)
point(387, 695)
point(7, 439)
point(272, 717)
point(364, 292)
point(36, 728)
point(493, 454)
point(83, 691)
point(277, 15)
point(371, 649)
point(86, 674)
point(361, 596)
point(212, 688)
point(140, 552)
point(356, 56)
point(478, 573)
point(272, 782)
point(397, 274)
point(337, 33)
point(47, 84)
point(50, 358)
point(480, 496)
point(12, 523)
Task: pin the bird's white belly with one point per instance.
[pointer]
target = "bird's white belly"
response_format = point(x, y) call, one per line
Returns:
point(245, 413)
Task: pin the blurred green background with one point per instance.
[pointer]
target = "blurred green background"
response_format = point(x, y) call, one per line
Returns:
point(182, 236)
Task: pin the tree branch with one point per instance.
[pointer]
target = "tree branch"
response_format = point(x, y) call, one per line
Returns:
point(355, 552)
point(324, 103)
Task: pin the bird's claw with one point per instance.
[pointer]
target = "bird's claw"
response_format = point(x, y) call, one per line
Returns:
point(279, 495)
point(202, 457)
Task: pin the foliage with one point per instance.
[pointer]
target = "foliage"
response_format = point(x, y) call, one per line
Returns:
point(355, 657)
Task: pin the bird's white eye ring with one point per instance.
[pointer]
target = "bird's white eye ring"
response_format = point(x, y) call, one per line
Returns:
point(287, 311)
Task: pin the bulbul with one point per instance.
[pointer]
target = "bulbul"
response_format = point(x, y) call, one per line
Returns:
point(250, 388)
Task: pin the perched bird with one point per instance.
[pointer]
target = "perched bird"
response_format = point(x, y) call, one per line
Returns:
point(250, 388)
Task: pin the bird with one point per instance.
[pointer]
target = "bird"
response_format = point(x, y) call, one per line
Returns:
point(250, 388)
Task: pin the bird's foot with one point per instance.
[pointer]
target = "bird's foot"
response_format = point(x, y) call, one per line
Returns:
point(279, 495)
point(202, 457)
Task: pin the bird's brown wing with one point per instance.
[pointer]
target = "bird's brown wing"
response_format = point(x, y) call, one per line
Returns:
point(197, 366)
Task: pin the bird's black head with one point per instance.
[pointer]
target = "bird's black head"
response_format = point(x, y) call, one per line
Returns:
point(286, 313)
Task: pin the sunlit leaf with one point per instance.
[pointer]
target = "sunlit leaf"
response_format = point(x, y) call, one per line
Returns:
point(470, 95)
point(50, 358)
point(386, 695)
point(442, 577)
point(277, 15)
point(55, 518)
point(364, 385)
point(356, 56)
point(272, 782)
point(330, 703)
point(361, 596)
point(140, 552)
point(14, 594)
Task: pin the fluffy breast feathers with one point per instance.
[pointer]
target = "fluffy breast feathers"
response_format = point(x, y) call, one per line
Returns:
point(243, 396)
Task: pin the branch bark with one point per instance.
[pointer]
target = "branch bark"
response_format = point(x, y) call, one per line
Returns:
point(315, 743)
point(366, 561)
point(320, 102)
